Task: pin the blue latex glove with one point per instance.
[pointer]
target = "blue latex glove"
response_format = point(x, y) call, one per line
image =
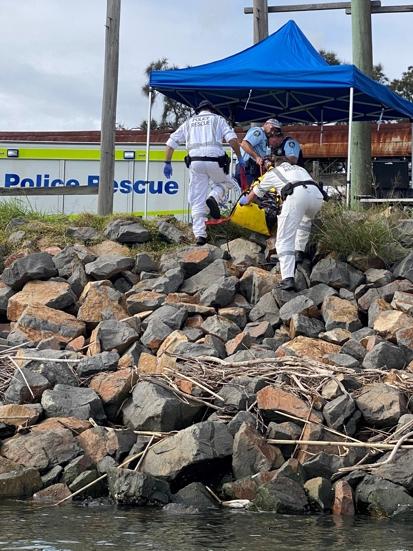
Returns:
point(167, 169)
point(241, 163)
point(244, 200)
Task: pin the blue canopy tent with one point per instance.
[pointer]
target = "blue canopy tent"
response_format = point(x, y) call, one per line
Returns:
point(284, 77)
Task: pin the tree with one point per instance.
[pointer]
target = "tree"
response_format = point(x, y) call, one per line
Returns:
point(330, 57)
point(404, 85)
point(174, 113)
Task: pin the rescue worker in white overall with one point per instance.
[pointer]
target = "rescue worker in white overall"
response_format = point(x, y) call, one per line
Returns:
point(302, 200)
point(203, 135)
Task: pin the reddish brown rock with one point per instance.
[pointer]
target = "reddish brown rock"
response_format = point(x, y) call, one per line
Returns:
point(148, 364)
point(404, 337)
point(114, 387)
point(310, 348)
point(98, 442)
point(176, 298)
point(99, 300)
point(246, 488)
point(77, 344)
point(110, 247)
point(256, 282)
point(194, 321)
point(55, 294)
point(241, 341)
point(16, 414)
point(53, 494)
point(56, 423)
point(38, 322)
point(343, 499)
point(272, 398)
point(389, 322)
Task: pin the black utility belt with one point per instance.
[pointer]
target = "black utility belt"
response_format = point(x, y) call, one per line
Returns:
point(289, 188)
point(223, 161)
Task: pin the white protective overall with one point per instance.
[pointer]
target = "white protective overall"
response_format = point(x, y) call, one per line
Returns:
point(297, 212)
point(203, 135)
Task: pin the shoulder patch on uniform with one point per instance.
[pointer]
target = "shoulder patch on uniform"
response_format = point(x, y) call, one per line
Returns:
point(256, 133)
point(291, 144)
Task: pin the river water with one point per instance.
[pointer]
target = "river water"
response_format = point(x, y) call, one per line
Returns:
point(24, 526)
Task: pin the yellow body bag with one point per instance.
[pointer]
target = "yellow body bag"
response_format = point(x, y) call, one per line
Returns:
point(253, 216)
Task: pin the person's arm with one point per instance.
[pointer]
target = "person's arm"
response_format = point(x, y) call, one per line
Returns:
point(169, 151)
point(236, 147)
point(247, 147)
point(292, 151)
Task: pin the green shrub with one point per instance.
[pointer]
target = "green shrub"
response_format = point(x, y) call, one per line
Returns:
point(369, 232)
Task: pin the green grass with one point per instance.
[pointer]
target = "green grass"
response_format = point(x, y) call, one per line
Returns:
point(368, 232)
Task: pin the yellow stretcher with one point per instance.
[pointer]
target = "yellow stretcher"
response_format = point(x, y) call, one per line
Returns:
point(252, 217)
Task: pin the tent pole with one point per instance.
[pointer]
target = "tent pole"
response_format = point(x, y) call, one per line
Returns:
point(148, 137)
point(350, 124)
point(411, 157)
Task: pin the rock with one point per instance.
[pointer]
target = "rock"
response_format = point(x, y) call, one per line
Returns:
point(237, 315)
point(38, 322)
point(303, 325)
point(381, 405)
point(336, 274)
point(403, 302)
point(171, 233)
point(266, 309)
point(336, 336)
point(144, 301)
point(5, 294)
point(169, 282)
point(378, 277)
point(18, 392)
point(191, 259)
point(244, 252)
point(127, 231)
point(389, 322)
point(241, 341)
point(342, 360)
point(281, 495)
point(144, 263)
point(404, 338)
point(168, 314)
point(208, 276)
point(53, 494)
point(343, 499)
point(84, 482)
point(311, 348)
point(46, 363)
point(155, 333)
point(98, 442)
point(298, 305)
point(220, 293)
point(195, 495)
point(355, 349)
point(324, 464)
point(155, 408)
point(106, 361)
point(107, 266)
point(241, 417)
point(182, 454)
point(220, 327)
point(20, 484)
point(320, 493)
point(19, 415)
point(127, 487)
point(54, 294)
point(259, 330)
point(318, 293)
point(76, 467)
point(52, 476)
point(337, 412)
point(404, 268)
point(252, 454)
point(385, 355)
point(77, 426)
point(117, 335)
point(32, 266)
point(113, 388)
point(41, 449)
point(272, 398)
point(256, 282)
point(339, 313)
point(65, 400)
point(70, 257)
point(240, 392)
point(99, 301)
point(379, 497)
point(399, 470)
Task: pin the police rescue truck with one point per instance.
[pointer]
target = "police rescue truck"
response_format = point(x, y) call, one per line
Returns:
point(44, 160)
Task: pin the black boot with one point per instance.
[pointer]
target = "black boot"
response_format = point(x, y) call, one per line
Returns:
point(300, 256)
point(213, 208)
point(201, 241)
point(287, 284)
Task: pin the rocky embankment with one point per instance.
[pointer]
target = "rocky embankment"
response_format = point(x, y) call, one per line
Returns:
point(166, 382)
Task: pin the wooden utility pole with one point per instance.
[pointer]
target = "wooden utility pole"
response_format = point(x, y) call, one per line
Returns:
point(110, 90)
point(361, 177)
point(260, 11)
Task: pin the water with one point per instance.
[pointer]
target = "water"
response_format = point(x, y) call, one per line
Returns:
point(24, 526)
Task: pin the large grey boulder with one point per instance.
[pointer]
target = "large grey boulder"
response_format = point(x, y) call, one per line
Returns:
point(68, 401)
point(221, 328)
point(169, 282)
point(399, 470)
point(266, 309)
point(281, 495)
point(380, 497)
point(113, 334)
point(297, 305)
point(127, 231)
point(338, 412)
point(385, 355)
point(191, 259)
point(252, 454)
point(336, 274)
point(128, 487)
point(49, 366)
point(405, 267)
point(103, 362)
point(107, 266)
point(5, 293)
point(317, 293)
point(381, 405)
point(18, 390)
point(144, 263)
point(70, 256)
point(168, 314)
point(32, 266)
point(20, 484)
point(195, 495)
point(188, 451)
point(155, 408)
point(171, 233)
point(220, 293)
point(207, 277)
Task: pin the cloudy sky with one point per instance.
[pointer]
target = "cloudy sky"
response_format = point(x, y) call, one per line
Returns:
point(53, 51)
